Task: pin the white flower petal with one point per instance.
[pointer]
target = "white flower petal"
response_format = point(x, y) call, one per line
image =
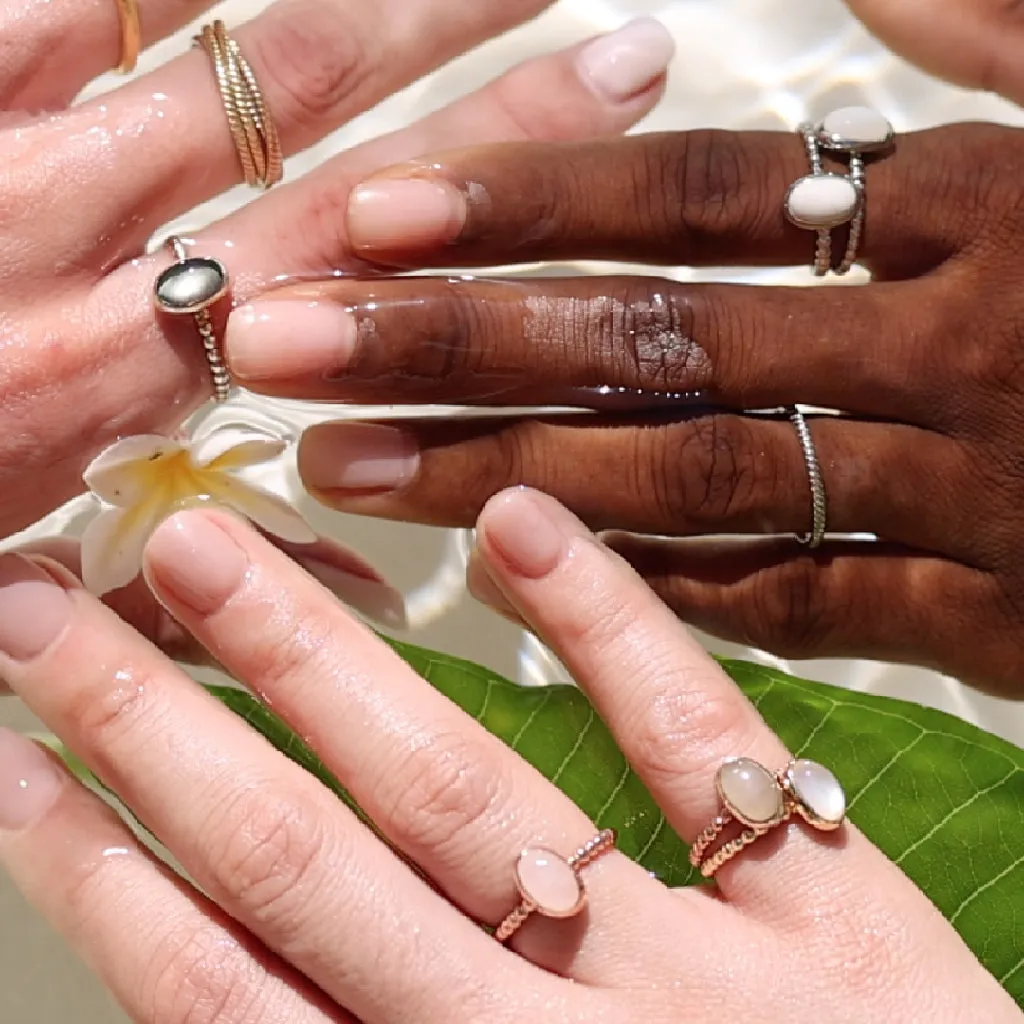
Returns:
point(232, 448)
point(121, 475)
point(112, 546)
point(268, 511)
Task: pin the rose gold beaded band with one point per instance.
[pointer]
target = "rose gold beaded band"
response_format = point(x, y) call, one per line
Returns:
point(759, 800)
point(551, 885)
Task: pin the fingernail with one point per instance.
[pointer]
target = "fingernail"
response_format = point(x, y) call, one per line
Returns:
point(520, 526)
point(289, 338)
point(404, 213)
point(29, 781)
point(34, 608)
point(486, 591)
point(625, 63)
point(195, 562)
point(364, 458)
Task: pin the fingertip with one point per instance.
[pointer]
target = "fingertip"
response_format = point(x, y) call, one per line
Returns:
point(527, 533)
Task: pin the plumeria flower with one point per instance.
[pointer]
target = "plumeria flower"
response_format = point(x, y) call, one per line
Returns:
point(143, 479)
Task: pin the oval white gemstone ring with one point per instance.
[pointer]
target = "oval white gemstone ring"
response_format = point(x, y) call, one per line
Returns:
point(551, 885)
point(758, 800)
point(823, 200)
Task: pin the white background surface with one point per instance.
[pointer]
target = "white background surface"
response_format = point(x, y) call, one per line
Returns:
point(741, 64)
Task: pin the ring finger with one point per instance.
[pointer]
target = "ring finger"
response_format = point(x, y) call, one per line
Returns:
point(659, 474)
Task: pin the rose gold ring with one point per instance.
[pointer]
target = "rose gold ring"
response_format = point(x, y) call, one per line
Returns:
point(759, 800)
point(550, 884)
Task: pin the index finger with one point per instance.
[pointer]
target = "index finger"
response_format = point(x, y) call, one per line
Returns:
point(684, 198)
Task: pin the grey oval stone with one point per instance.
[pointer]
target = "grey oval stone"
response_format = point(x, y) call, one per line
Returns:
point(191, 285)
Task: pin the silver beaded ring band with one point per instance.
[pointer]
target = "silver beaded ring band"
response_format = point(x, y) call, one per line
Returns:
point(822, 201)
point(190, 286)
point(819, 500)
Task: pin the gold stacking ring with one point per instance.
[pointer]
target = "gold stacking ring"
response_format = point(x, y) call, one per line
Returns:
point(131, 34)
point(252, 127)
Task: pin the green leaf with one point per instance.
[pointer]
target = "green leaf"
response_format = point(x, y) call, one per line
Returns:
point(940, 797)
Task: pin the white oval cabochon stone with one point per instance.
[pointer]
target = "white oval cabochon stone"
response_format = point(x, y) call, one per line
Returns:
point(859, 125)
point(547, 881)
point(818, 790)
point(750, 791)
point(822, 201)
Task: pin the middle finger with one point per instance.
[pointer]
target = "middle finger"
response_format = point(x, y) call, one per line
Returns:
point(553, 340)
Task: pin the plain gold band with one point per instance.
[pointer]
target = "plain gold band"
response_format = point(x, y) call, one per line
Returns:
point(252, 127)
point(131, 34)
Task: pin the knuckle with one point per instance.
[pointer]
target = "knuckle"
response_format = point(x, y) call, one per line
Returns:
point(656, 328)
point(715, 185)
point(290, 640)
point(315, 60)
point(116, 712)
point(705, 470)
point(201, 976)
point(269, 858)
point(787, 613)
point(685, 726)
point(447, 787)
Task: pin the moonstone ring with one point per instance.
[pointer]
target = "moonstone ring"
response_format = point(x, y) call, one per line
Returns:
point(551, 885)
point(190, 286)
point(759, 800)
point(821, 200)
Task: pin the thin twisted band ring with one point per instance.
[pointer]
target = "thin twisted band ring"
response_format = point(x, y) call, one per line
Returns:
point(819, 500)
point(131, 34)
point(252, 127)
point(551, 885)
point(191, 285)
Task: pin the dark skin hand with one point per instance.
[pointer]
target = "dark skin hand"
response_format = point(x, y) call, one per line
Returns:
point(926, 363)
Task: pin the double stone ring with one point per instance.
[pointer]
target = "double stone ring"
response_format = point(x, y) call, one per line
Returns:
point(760, 800)
point(824, 200)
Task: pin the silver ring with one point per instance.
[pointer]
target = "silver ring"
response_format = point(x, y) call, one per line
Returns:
point(191, 285)
point(819, 501)
point(822, 201)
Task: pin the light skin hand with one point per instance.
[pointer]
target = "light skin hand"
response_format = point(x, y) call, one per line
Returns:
point(312, 918)
point(80, 331)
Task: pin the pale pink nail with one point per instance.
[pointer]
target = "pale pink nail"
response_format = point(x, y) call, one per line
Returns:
point(194, 561)
point(404, 213)
point(359, 458)
point(288, 338)
point(34, 608)
point(29, 781)
point(628, 62)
